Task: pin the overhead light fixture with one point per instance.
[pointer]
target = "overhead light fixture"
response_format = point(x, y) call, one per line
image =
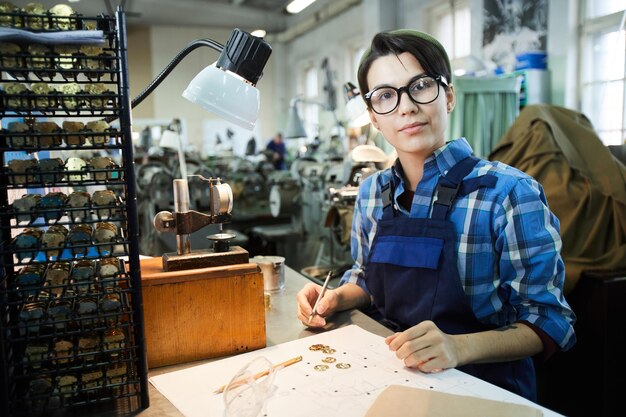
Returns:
point(226, 87)
point(356, 111)
point(296, 6)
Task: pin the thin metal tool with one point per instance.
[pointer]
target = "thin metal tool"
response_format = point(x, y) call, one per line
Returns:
point(321, 294)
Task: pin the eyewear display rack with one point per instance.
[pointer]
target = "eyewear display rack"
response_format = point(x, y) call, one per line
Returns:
point(71, 310)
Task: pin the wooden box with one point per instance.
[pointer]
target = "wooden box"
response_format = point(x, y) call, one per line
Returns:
point(201, 313)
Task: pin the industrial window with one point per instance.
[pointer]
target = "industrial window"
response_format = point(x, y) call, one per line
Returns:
point(310, 112)
point(451, 24)
point(357, 53)
point(603, 68)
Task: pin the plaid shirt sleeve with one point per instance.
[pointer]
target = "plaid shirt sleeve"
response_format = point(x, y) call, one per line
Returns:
point(531, 270)
point(363, 230)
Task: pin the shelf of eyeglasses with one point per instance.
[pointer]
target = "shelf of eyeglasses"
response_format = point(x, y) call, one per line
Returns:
point(59, 208)
point(61, 17)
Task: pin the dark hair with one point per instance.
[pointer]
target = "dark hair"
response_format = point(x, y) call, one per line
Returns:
point(426, 49)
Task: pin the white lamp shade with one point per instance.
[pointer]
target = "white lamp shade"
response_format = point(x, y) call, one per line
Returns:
point(356, 112)
point(226, 95)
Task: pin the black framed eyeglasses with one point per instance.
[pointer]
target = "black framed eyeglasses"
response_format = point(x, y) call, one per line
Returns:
point(422, 89)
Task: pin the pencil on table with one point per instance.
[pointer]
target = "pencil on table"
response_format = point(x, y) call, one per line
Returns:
point(260, 374)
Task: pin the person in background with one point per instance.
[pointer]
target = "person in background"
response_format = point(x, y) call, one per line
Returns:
point(459, 255)
point(278, 151)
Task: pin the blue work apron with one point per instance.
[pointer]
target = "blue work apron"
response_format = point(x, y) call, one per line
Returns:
point(412, 275)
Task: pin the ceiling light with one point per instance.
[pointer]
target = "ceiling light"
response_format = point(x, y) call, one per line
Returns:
point(296, 6)
point(259, 33)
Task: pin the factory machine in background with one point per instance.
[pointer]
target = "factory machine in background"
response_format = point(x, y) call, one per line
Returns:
point(319, 197)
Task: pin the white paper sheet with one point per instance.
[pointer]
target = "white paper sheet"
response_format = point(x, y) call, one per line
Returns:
point(303, 391)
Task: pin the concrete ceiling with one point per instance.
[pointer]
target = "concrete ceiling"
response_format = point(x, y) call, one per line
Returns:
point(244, 14)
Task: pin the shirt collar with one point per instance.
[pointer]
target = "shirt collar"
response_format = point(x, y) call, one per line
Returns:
point(440, 162)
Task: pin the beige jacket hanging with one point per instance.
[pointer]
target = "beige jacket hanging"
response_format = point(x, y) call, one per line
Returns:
point(584, 183)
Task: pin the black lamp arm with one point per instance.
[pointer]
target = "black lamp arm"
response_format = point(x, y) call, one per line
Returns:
point(173, 63)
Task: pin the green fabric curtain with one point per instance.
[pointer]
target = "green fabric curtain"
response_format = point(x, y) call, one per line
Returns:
point(486, 107)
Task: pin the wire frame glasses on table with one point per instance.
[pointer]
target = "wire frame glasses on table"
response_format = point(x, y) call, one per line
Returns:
point(247, 392)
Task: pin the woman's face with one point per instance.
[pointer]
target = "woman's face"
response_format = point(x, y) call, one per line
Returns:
point(410, 128)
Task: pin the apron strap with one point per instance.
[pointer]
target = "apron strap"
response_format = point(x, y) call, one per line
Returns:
point(386, 192)
point(452, 186)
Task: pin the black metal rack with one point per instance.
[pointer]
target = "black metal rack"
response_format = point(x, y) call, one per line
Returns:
point(71, 310)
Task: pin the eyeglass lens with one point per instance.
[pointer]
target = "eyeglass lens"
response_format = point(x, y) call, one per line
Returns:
point(422, 90)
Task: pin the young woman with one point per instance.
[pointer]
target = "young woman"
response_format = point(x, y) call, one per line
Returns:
point(459, 255)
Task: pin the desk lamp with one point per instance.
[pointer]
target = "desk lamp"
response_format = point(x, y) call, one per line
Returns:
point(226, 88)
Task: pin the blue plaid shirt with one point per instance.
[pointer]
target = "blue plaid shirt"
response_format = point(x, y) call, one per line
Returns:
point(508, 241)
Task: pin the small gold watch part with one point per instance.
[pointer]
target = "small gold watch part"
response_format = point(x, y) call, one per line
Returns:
point(317, 347)
point(320, 368)
point(342, 365)
point(329, 359)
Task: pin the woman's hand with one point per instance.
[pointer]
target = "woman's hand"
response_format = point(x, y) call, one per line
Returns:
point(306, 298)
point(425, 347)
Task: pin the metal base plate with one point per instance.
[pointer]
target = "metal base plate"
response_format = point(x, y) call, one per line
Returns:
point(205, 258)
